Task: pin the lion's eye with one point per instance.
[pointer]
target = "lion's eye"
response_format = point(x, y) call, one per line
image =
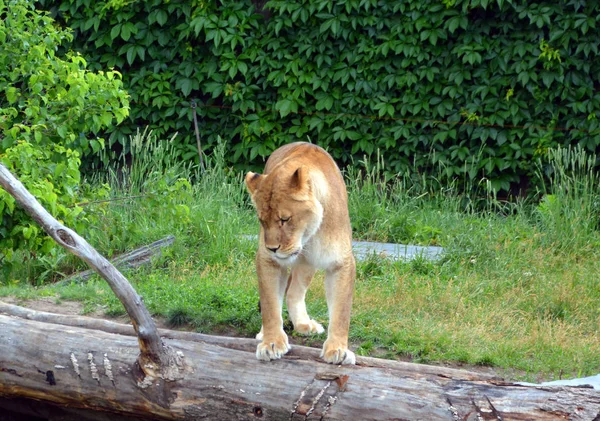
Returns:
point(283, 220)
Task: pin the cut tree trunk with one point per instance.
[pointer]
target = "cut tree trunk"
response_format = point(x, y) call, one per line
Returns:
point(91, 369)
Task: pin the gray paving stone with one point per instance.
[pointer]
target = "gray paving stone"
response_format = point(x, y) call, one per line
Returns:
point(593, 381)
point(365, 249)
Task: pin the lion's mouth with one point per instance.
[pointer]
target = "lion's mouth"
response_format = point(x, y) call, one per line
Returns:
point(287, 257)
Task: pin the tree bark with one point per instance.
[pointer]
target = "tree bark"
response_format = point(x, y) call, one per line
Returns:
point(92, 370)
point(240, 344)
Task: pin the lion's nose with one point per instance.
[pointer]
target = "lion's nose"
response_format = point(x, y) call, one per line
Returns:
point(273, 249)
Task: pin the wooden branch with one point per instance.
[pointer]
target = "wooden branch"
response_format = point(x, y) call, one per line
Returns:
point(153, 358)
point(91, 369)
point(132, 259)
point(240, 344)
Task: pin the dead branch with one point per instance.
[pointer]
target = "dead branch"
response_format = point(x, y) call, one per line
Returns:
point(132, 259)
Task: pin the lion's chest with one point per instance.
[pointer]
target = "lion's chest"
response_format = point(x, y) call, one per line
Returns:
point(323, 255)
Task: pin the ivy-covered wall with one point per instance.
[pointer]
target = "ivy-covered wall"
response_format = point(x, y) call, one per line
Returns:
point(475, 87)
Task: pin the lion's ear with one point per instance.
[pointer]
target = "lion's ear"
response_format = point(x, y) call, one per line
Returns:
point(252, 181)
point(301, 183)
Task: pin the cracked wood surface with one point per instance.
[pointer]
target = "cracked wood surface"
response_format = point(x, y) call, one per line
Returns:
point(222, 383)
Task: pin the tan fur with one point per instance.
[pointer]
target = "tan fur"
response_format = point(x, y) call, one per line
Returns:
point(302, 206)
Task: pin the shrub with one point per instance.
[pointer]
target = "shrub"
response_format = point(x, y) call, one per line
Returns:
point(50, 108)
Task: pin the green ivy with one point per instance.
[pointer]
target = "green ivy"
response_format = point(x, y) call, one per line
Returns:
point(474, 88)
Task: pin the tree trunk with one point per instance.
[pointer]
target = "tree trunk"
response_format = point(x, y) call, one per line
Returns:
point(89, 369)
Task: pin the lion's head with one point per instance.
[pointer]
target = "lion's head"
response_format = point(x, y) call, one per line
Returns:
point(288, 211)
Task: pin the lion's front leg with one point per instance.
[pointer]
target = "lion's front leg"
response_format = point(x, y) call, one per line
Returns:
point(272, 281)
point(339, 287)
point(300, 278)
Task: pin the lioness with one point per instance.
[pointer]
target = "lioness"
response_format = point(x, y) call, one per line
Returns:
point(302, 206)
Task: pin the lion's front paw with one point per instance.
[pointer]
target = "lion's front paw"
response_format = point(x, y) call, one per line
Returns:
point(273, 349)
point(337, 354)
point(309, 328)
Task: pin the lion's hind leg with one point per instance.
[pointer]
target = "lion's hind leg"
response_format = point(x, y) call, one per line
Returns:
point(300, 279)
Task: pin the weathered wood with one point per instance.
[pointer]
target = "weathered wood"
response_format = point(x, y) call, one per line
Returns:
point(37, 362)
point(19, 409)
point(240, 344)
point(132, 259)
point(154, 360)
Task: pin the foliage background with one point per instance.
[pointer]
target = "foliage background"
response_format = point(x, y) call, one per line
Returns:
point(475, 87)
point(51, 111)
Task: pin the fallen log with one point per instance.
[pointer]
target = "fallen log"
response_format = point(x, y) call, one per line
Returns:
point(83, 368)
point(240, 344)
point(132, 259)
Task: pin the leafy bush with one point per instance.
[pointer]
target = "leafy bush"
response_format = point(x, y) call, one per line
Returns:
point(477, 87)
point(50, 108)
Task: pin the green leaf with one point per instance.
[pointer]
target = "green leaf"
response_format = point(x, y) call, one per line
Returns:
point(131, 51)
point(186, 86)
point(284, 106)
point(214, 88)
point(115, 31)
point(141, 52)
point(62, 131)
point(326, 102)
point(161, 17)
point(453, 24)
point(547, 78)
point(12, 94)
point(60, 167)
point(125, 32)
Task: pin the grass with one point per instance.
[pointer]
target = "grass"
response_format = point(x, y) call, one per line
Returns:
point(516, 290)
